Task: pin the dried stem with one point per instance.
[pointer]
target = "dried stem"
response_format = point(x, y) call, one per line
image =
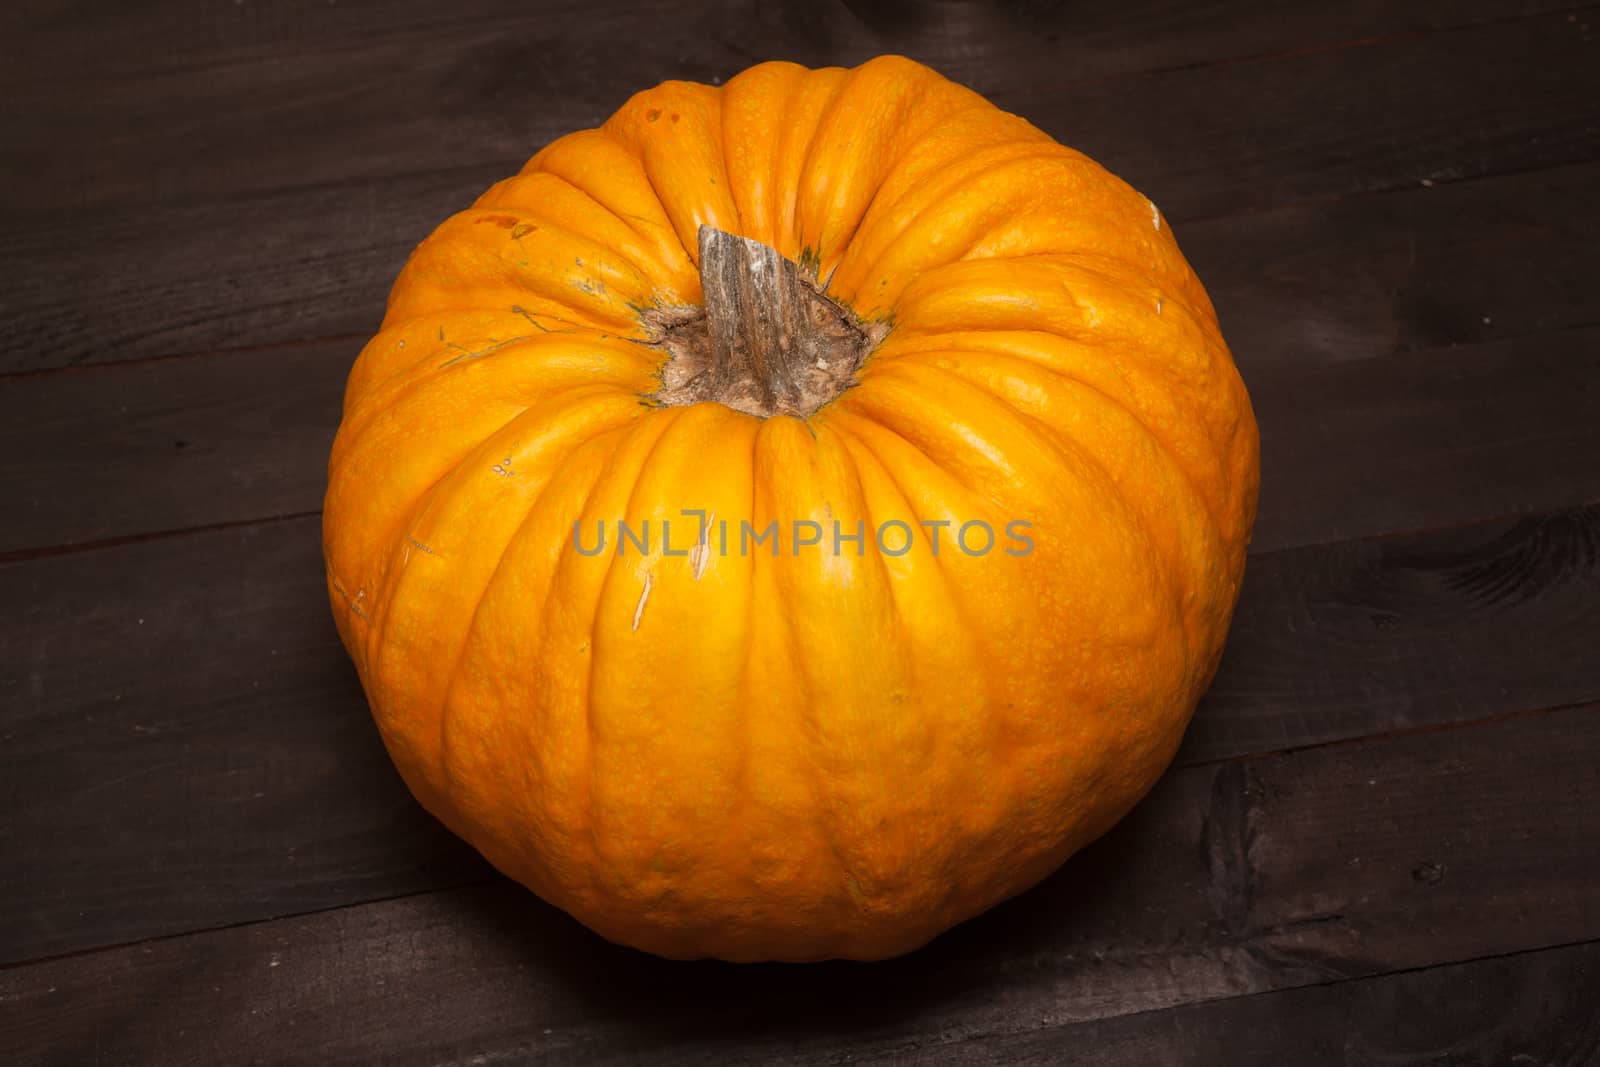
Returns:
point(768, 342)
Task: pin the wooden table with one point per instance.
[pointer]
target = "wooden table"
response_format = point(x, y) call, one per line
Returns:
point(1381, 841)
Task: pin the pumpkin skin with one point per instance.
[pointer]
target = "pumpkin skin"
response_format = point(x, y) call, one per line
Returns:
point(810, 754)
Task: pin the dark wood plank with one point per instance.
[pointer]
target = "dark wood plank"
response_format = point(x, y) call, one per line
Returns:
point(186, 744)
point(1342, 640)
point(1426, 439)
point(1032, 42)
point(217, 675)
point(1449, 265)
point(1230, 137)
point(1329, 281)
point(138, 448)
point(1388, 114)
point(1531, 1008)
point(1255, 875)
point(196, 273)
point(116, 285)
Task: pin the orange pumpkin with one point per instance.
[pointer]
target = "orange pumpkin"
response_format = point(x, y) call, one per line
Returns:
point(808, 297)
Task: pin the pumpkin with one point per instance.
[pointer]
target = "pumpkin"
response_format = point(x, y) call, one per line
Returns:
point(793, 517)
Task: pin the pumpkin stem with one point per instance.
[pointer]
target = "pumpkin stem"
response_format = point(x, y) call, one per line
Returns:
point(768, 342)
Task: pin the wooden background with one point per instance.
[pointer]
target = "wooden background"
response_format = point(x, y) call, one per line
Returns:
point(1381, 841)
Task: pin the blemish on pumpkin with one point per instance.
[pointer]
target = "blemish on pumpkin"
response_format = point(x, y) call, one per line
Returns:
point(700, 554)
point(505, 222)
point(503, 468)
point(521, 230)
point(674, 116)
point(1159, 305)
point(653, 114)
point(420, 546)
point(518, 309)
point(1155, 214)
point(493, 346)
point(644, 595)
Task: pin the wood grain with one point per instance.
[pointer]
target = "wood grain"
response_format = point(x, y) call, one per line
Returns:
point(1256, 134)
point(1020, 41)
point(312, 264)
point(1203, 142)
point(185, 744)
point(1249, 876)
point(1327, 281)
point(1426, 438)
point(1530, 1008)
point(139, 448)
point(217, 764)
point(1434, 267)
point(258, 239)
point(1392, 633)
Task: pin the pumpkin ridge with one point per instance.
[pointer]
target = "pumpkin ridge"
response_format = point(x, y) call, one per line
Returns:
point(542, 163)
point(388, 543)
point(604, 580)
point(1145, 426)
point(1096, 263)
point(907, 107)
point(648, 272)
point(1022, 458)
point(426, 501)
point(746, 99)
point(953, 600)
point(433, 314)
point(1155, 374)
point(454, 674)
point(812, 711)
point(895, 478)
point(420, 389)
point(861, 452)
point(991, 216)
point(686, 209)
point(947, 184)
point(466, 266)
point(1070, 449)
point(1003, 136)
point(906, 377)
point(789, 233)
